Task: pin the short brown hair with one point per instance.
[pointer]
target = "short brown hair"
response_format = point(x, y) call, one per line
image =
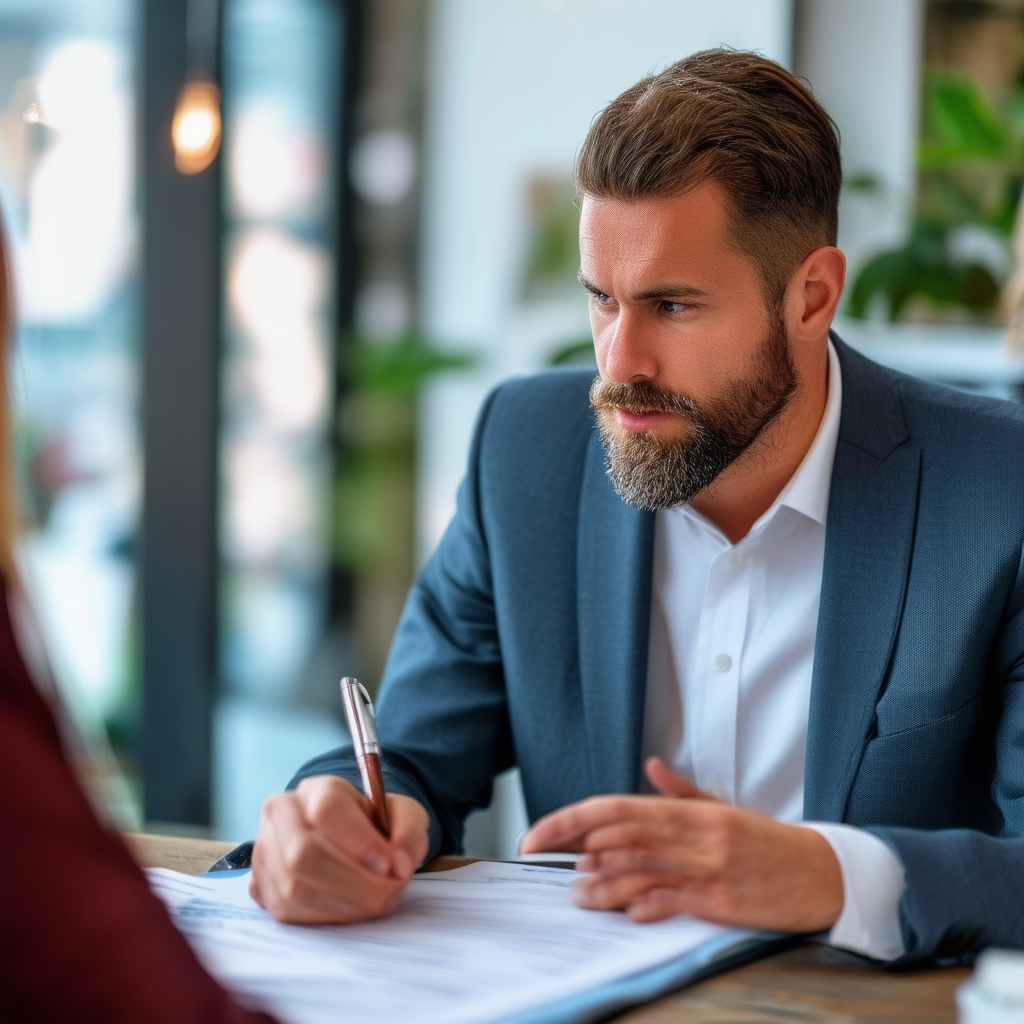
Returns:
point(737, 119)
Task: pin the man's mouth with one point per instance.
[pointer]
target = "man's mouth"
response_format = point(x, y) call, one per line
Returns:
point(640, 421)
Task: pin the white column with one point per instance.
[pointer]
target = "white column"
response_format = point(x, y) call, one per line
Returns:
point(863, 61)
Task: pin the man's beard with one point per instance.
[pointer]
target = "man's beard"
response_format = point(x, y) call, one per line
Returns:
point(653, 474)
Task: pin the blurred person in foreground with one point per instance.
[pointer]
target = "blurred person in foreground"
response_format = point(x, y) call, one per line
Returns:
point(747, 609)
point(82, 938)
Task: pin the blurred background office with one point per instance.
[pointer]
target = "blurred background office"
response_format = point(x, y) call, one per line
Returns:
point(272, 254)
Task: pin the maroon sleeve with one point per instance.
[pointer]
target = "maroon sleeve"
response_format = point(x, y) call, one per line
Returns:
point(82, 938)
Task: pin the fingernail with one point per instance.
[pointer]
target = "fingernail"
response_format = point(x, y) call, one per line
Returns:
point(376, 862)
point(403, 864)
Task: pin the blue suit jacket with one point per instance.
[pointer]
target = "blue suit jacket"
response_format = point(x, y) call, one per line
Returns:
point(524, 640)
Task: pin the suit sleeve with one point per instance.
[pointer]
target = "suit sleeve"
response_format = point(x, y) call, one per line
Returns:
point(442, 711)
point(965, 888)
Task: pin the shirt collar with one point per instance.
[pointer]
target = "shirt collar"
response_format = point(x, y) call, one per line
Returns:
point(808, 488)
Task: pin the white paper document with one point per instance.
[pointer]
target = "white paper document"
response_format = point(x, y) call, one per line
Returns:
point(484, 942)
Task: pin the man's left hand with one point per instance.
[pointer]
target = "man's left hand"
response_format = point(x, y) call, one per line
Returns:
point(686, 852)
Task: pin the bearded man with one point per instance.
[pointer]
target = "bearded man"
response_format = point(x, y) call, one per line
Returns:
point(777, 588)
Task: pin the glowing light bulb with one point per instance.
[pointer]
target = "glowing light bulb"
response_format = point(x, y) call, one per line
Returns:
point(195, 130)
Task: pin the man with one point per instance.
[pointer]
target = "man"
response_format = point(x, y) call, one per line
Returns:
point(782, 582)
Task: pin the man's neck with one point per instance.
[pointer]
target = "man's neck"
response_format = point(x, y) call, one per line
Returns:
point(747, 489)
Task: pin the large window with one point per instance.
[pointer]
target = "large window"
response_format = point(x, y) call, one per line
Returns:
point(68, 192)
point(282, 108)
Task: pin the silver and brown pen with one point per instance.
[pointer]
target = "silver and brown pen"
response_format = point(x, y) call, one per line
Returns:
point(363, 726)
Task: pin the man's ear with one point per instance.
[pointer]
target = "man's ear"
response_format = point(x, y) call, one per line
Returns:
point(813, 294)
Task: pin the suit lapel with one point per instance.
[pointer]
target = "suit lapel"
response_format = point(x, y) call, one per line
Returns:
point(613, 558)
point(868, 543)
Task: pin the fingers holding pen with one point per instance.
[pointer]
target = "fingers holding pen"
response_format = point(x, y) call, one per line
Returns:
point(336, 811)
point(327, 853)
point(410, 840)
point(300, 877)
point(319, 859)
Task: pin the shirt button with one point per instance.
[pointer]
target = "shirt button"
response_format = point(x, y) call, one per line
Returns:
point(723, 662)
point(735, 560)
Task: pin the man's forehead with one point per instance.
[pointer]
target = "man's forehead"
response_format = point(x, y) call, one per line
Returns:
point(657, 238)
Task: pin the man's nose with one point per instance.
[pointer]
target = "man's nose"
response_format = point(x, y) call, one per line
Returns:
point(625, 354)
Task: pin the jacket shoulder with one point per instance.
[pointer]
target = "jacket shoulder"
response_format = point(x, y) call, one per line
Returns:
point(884, 408)
point(532, 440)
point(554, 398)
point(967, 426)
point(536, 417)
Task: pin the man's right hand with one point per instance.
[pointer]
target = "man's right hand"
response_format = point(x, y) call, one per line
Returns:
point(319, 859)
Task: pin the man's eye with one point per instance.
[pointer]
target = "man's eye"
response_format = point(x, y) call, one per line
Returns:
point(674, 307)
point(601, 297)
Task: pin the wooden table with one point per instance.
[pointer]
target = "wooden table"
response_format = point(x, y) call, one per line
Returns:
point(811, 984)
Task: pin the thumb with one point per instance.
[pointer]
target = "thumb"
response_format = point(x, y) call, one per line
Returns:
point(668, 783)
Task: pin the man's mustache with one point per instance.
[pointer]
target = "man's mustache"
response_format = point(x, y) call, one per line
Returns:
point(639, 398)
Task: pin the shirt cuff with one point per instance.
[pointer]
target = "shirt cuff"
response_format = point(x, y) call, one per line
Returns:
point(873, 885)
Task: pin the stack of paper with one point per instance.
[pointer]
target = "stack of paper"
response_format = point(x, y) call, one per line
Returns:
point(485, 942)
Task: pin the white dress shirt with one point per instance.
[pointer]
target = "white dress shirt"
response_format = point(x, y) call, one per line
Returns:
point(729, 672)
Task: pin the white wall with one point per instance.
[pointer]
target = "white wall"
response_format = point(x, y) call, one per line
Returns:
point(512, 89)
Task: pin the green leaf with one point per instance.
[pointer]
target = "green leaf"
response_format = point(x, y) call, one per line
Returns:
point(401, 366)
point(960, 121)
point(579, 352)
point(921, 268)
point(864, 181)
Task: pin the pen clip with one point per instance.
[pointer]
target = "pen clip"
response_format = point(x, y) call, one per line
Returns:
point(362, 723)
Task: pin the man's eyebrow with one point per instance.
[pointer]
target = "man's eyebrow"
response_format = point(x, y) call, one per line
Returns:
point(672, 291)
point(665, 291)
